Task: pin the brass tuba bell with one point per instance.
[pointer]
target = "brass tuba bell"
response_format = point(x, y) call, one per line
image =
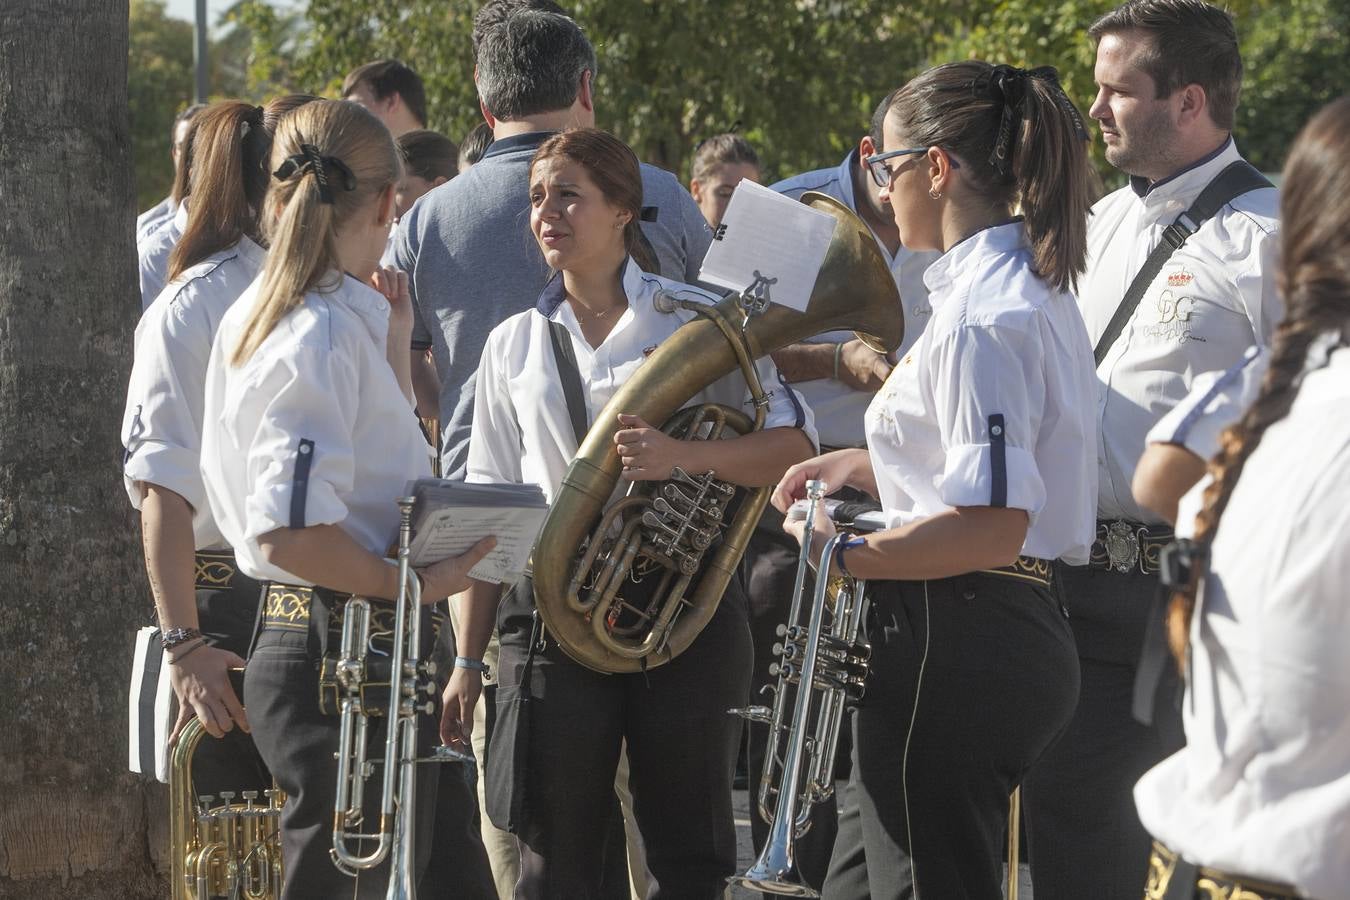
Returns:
point(673, 531)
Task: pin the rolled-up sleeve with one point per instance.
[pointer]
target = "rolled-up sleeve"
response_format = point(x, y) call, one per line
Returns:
point(989, 406)
point(1216, 401)
point(495, 438)
point(301, 461)
point(161, 426)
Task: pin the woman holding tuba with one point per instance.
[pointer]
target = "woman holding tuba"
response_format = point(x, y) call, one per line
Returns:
point(585, 204)
point(980, 448)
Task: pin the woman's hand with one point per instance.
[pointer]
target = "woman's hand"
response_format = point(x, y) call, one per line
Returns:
point(647, 453)
point(393, 285)
point(451, 575)
point(201, 681)
point(824, 530)
point(457, 703)
point(835, 469)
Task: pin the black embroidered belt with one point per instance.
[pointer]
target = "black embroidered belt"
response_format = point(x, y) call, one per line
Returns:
point(1124, 546)
point(287, 606)
point(1172, 878)
point(1026, 568)
point(215, 569)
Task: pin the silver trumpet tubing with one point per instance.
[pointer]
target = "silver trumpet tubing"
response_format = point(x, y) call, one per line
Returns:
point(820, 671)
point(411, 691)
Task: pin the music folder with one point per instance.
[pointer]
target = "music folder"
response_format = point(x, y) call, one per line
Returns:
point(766, 236)
point(449, 517)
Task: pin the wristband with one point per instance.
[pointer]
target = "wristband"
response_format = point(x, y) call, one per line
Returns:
point(175, 660)
point(838, 353)
point(173, 637)
point(466, 662)
point(839, 548)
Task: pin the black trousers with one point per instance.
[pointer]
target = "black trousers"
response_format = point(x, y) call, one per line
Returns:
point(681, 750)
point(298, 742)
point(972, 678)
point(770, 570)
point(227, 608)
point(1083, 834)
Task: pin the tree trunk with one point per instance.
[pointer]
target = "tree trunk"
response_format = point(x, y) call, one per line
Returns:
point(73, 822)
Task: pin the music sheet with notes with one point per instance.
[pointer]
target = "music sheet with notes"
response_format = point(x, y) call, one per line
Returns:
point(449, 517)
point(767, 234)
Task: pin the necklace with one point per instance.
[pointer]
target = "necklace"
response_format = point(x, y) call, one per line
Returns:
point(595, 315)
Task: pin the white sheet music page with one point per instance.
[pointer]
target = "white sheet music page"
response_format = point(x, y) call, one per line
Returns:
point(764, 233)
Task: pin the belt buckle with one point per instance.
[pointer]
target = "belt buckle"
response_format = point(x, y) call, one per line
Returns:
point(1122, 546)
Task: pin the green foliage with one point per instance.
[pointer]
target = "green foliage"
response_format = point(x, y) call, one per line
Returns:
point(159, 85)
point(801, 76)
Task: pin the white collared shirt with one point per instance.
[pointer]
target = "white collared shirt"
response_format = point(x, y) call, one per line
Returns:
point(838, 408)
point(1263, 785)
point(162, 424)
point(153, 217)
point(319, 386)
point(993, 405)
point(522, 432)
point(153, 253)
point(1216, 401)
point(1214, 298)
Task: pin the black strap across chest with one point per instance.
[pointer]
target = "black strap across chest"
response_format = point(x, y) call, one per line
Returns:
point(1237, 179)
point(566, 359)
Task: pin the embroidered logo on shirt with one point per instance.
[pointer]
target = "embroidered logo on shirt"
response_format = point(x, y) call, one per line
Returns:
point(1178, 316)
point(1180, 278)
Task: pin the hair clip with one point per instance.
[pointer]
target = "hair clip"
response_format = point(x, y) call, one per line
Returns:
point(310, 161)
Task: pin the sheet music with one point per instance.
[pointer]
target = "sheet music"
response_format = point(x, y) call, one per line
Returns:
point(450, 517)
point(768, 234)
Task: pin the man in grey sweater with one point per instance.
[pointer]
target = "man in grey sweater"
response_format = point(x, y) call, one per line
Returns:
point(466, 245)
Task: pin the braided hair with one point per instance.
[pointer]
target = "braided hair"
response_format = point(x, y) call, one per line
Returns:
point(1314, 280)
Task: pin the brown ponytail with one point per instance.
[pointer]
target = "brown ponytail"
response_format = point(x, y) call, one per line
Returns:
point(1020, 141)
point(330, 160)
point(229, 152)
point(1314, 280)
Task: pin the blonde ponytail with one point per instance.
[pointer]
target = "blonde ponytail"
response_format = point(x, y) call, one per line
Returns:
point(330, 159)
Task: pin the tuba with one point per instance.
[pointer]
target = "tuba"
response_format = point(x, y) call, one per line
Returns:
point(687, 534)
point(224, 849)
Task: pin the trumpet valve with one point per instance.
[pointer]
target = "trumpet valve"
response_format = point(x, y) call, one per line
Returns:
point(249, 798)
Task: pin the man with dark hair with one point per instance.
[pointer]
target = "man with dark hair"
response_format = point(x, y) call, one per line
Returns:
point(157, 215)
point(390, 90)
point(1168, 74)
point(495, 12)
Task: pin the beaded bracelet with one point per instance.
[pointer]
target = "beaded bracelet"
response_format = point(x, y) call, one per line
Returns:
point(175, 660)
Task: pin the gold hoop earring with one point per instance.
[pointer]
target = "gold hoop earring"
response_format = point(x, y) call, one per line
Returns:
point(935, 194)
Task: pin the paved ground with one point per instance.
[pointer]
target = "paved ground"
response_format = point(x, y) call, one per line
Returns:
point(746, 856)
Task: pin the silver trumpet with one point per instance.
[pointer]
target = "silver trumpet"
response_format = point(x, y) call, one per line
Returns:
point(411, 691)
point(814, 662)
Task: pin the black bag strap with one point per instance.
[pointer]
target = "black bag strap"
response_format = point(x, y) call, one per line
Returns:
point(566, 359)
point(1237, 179)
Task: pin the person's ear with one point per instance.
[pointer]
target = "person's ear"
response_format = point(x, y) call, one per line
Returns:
point(586, 92)
point(488, 117)
point(866, 147)
point(438, 181)
point(1193, 104)
point(696, 190)
point(939, 171)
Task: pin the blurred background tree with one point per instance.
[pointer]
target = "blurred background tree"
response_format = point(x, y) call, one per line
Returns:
point(800, 76)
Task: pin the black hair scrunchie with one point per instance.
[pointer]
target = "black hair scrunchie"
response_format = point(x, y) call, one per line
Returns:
point(1007, 85)
point(310, 161)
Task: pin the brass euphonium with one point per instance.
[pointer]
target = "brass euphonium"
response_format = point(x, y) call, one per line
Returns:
point(220, 849)
point(662, 529)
